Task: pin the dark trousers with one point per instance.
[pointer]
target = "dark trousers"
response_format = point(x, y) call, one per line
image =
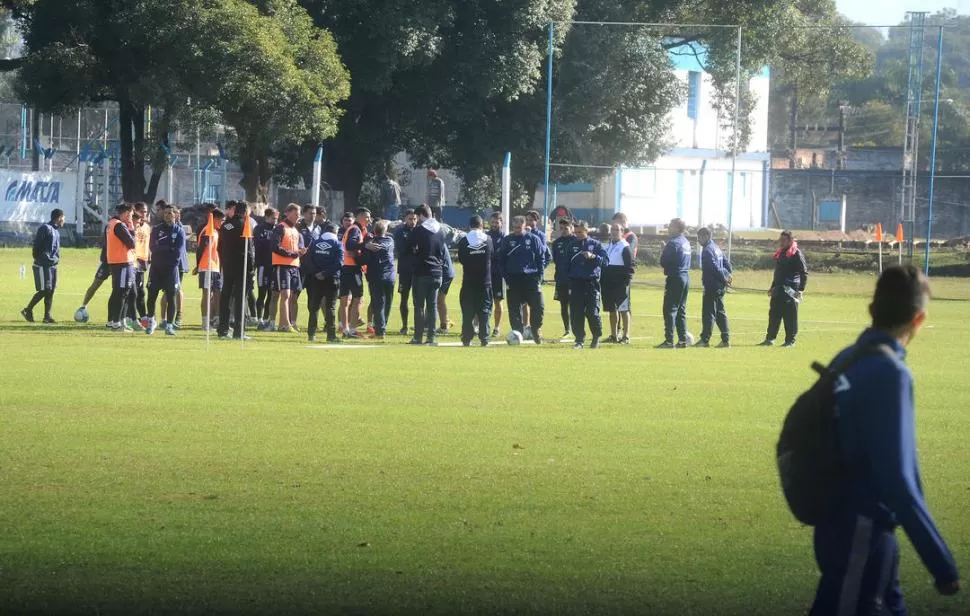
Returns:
point(525, 289)
point(476, 301)
point(323, 293)
point(425, 293)
point(860, 570)
point(782, 308)
point(231, 299)
point(712, 311)
point(381, 298)
point(584, 306)
point(122, 281)
point(675, 307)
point(170, 285)
point(404, 288)
point(562, 296)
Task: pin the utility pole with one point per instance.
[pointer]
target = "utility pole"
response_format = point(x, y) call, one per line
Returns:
point(840, 163)
point(793, 128)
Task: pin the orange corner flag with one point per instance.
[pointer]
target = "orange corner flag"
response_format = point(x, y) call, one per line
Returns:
point(210, 226)
point(899, 232)
point(878, 231)
point(247, 233)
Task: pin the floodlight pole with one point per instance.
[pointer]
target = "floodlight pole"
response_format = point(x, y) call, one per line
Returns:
point(936, 124)
point(506, 191)
point(545, 192)
point(735, 145)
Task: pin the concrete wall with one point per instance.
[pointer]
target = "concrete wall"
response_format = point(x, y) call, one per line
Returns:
point(872, 196)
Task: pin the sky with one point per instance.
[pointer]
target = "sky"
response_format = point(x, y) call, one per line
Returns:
point(890, 12)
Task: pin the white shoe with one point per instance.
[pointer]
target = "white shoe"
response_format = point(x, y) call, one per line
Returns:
point(527, 333)
point(151, 326)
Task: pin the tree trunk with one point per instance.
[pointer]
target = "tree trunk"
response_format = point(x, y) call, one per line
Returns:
point(793, 128)
point(159, 158)
point(344, 172)
point(256, 169)
point(132, 142)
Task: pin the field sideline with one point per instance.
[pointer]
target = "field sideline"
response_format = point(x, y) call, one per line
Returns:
point(144, 475)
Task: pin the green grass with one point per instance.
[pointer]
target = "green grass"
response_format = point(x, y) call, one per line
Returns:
point(146, 475)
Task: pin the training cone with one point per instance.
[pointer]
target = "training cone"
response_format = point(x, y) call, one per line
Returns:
point(247, 232)
point(899, 232)
point(879, 232)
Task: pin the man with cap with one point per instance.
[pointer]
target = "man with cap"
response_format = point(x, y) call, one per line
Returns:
point(716, 274)
point(675, 261)
point(47, 254)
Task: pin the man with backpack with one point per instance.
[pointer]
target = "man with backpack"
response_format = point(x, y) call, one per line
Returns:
point(862, 413)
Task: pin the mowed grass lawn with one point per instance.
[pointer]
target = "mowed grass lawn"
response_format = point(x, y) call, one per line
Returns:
point(146, 475)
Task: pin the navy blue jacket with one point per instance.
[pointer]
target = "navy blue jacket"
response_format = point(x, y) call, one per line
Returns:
point(167, 244)
point(790, 271)
point(47, 245)
point(581, 268)
point(184, 256)
point(263, 243)
point(496, 237)
point(326, 256)
point(675, 258)
point(427, 244)
point(715, 268)
point(544, 242)
point(448, 265)
point(405, 260)
point(561, 257)
point(877, 431)
point(308, 233)
point(475, 252)
point(380, 263)
point(522, 254)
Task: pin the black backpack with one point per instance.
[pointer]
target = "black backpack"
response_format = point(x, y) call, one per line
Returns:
point(814, 475)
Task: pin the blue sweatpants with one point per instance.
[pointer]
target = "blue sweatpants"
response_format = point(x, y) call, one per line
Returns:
point(860, 570)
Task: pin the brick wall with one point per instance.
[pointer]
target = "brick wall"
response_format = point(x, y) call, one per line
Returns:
point(871, 196)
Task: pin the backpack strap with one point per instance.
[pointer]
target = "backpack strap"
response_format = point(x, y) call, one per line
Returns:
point(837, 368)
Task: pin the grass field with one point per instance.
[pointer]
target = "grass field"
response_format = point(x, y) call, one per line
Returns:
point(144, 475)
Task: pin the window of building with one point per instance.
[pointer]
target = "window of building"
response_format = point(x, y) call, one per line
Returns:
point(693, 93)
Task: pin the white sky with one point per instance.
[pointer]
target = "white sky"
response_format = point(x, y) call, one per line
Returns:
point(891, 12)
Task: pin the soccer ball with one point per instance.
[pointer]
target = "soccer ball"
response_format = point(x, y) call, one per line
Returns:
point(690, 339)
point(81, 315)
point(514, 338)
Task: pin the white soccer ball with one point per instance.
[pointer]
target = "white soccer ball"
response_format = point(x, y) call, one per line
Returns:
point(81, 315)
point(514, 338)
point(690, 339)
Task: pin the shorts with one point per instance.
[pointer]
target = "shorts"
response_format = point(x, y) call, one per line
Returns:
point(103, 273)
point(122, 276)
point(216, 280)
point(616, 297)
point(164, 279)
point(404, 284)
point(45, 278)
point(445, 286)
point(498, 287)
point(264, 276)
point(286, 278)
point(351, 282)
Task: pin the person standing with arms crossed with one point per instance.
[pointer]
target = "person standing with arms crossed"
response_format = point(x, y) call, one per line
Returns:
point(787, 287)
point(675, 260)
point(855, 546)
point(47, 254)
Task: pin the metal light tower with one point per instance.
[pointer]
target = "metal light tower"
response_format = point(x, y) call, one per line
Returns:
point(914, 89)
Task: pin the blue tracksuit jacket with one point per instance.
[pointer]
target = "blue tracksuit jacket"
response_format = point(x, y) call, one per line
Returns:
point(715, 268)
point(675, 258)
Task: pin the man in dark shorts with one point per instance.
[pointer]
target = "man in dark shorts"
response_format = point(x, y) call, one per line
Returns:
point(562, 257)
point(47, 254)
point(287, 249)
